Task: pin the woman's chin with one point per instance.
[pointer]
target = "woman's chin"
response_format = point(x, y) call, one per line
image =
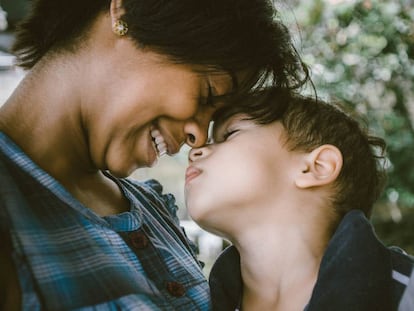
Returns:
point(122, 171)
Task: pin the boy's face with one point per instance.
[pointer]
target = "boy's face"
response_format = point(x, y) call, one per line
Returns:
point(247, 166)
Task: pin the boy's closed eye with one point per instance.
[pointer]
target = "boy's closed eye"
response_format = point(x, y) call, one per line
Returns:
point(222, 132)
point(222, 137)
point(229, 132)
point(226, 129)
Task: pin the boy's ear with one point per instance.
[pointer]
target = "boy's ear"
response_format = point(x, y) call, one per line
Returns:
point(321, 167)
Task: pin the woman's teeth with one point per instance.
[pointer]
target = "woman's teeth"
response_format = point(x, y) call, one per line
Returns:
point(159, 142)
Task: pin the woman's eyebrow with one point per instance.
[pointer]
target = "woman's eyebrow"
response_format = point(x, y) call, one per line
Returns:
point(231, 93)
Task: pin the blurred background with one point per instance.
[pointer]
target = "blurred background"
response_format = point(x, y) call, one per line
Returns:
point(360, 52)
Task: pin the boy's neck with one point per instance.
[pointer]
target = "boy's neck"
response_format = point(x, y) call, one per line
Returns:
point(280, 264)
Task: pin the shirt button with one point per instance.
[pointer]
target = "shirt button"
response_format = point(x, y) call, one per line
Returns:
point(175, 289)
point(138, 239)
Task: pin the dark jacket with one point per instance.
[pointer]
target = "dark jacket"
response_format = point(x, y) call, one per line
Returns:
point(357, 272)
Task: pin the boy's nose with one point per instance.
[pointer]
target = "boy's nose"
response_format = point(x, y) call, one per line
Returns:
point(196, 153)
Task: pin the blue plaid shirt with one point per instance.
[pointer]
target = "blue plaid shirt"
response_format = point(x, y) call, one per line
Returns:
point(69, 258)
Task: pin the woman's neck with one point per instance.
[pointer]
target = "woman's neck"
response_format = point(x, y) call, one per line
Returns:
point(43, 118)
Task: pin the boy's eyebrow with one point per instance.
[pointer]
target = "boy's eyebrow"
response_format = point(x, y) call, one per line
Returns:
point(218, 126)
point(215, 128)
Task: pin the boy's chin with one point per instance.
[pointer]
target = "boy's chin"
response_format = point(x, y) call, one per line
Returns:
point(210, 226)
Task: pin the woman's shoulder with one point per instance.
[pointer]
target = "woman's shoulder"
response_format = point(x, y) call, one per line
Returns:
point(10, 294)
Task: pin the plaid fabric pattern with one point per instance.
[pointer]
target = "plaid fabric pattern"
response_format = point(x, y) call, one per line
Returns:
point(69, 258)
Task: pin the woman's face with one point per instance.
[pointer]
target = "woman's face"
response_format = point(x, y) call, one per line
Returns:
point(146, 105)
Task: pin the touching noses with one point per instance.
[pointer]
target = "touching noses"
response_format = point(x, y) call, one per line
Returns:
point(196, 129)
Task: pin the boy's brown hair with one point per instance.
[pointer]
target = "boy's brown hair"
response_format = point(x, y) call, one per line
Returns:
point(310, 123)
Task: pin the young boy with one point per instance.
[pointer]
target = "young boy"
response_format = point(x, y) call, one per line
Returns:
point(291, 184)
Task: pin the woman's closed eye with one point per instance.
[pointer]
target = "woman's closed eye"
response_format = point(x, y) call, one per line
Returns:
point(209, 100)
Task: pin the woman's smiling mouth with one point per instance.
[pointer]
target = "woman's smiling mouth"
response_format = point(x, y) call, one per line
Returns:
point(159, 142)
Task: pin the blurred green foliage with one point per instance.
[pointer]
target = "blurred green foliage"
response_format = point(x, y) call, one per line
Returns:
point(362, 53)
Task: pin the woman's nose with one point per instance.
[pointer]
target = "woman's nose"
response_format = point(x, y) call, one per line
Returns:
point(197, 133)
point(196, 129)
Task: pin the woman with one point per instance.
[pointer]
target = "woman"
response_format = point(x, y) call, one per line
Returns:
point(111, 86)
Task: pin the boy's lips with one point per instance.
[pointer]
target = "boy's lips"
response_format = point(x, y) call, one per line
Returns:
point(191, 173)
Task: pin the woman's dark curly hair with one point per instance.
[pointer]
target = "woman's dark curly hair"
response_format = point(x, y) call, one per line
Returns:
point(229, 35)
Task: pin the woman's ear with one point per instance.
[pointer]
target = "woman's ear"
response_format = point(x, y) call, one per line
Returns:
point(116, 10)
point(321, 167)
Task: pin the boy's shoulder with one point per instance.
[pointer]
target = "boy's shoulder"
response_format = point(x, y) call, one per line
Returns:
point(402, 264)
point(402, 268)
point(400, 256)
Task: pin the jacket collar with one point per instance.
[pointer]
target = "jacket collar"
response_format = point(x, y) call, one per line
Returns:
point(355, 272)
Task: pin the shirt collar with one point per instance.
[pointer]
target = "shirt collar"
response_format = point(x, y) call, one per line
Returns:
point(128, 221)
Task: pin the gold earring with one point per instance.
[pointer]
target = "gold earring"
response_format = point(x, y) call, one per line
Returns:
point(120, 28)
